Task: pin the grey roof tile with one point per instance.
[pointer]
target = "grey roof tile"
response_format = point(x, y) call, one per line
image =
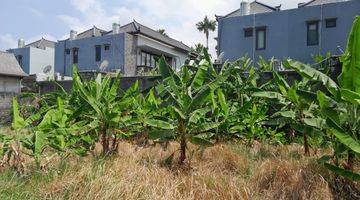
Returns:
point(9, 65)
point(256, 7)
point(41, 44)
point(319, 2)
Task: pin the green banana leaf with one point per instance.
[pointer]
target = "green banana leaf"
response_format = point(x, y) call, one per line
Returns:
point(349, 78)
point(342, 172)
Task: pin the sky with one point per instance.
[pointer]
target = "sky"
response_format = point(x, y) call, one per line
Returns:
point(53, 19)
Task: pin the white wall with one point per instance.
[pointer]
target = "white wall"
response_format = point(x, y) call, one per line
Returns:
point(40, 58)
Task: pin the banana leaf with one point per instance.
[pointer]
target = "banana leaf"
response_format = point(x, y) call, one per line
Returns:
point(350, 76)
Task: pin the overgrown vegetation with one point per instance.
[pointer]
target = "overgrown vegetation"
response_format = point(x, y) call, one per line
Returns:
point(198, 105)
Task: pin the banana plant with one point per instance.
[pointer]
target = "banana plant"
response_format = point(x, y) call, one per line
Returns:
point(339, 106)
point(54, 130)
point(296, 104)
point(100, 104)
point(189, 96)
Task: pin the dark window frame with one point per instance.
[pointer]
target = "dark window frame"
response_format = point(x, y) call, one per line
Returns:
point(67, 51)
point(257, 31)
point(107, 47)
point(150, 59)
point(310, 23)
point(75, 56)
point(97, 53)
point(248, 32)
point(19, 58)
point(331, 23)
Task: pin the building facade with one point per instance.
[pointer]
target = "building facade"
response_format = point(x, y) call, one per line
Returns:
point(314, 28)
point(10, 79)
point(127, 49)
point(36, 57)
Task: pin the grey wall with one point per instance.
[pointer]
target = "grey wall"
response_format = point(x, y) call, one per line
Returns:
point(86, 57)
point(10, 84)
point(286, 32)
point(25, 53)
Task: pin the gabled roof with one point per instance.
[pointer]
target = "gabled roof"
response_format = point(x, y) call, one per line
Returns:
point(90, 33)
point(41, 44)
point(255, 8)
point(9, 66)
point(318, 2)
point(137, 28)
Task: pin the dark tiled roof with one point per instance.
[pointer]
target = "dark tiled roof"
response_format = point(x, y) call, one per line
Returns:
point(319, 2)
point(137, 28)
point(41, 44)
point(9, 66)
point(255, 8)
point(90, 33)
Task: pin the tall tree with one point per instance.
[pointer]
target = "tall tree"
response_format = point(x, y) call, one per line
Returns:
point(163, 32)
point(206, 26)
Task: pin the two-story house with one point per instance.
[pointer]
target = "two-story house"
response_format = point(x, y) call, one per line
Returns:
point(36, 58)
point(314, 28)
point(127, 49)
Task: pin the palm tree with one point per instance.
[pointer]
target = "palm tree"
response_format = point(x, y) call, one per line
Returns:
point(162, 31)
point(206, 26)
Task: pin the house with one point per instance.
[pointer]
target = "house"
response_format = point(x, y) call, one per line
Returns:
point(258, 30)
point(10, 79)
point(36, 58)
point(127, 49)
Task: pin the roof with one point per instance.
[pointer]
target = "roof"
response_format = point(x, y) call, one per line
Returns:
point(9, 66)
point(93, 32)
point(255, 8)
point(137, 28)
point(42, 44)
point(318, 2)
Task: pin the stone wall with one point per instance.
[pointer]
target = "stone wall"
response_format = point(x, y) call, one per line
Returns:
point(130, 55)
point(126, 82)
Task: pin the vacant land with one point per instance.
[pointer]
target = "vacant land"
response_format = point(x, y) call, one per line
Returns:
point(225, 171)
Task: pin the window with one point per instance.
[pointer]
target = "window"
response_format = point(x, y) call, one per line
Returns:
point(248, 32)
point(148, 59)
point(19, 58)
point(313, 33)
point(330, 23)
point(143, 59)
point(75, 55)
point(67, 51)
point(97, 53)
point(261, 38)
point(107, 47)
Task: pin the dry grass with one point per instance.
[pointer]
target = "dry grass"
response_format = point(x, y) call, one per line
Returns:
point(222, 172)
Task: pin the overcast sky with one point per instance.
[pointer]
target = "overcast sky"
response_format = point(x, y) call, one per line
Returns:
point(33, 19)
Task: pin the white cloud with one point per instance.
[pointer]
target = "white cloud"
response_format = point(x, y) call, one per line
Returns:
point(177, 17)
point(8, 41)
point(36, 12)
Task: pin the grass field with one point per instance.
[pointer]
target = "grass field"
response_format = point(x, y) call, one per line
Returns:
point(226, 171)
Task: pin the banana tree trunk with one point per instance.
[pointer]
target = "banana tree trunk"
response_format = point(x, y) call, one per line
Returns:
point(104, 141)
point(182, 132)
point(350, 161)
point(306, 145)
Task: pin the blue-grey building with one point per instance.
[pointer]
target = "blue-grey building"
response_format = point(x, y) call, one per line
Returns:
point(314, 28)
point(127, 49)
point(35, 58)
